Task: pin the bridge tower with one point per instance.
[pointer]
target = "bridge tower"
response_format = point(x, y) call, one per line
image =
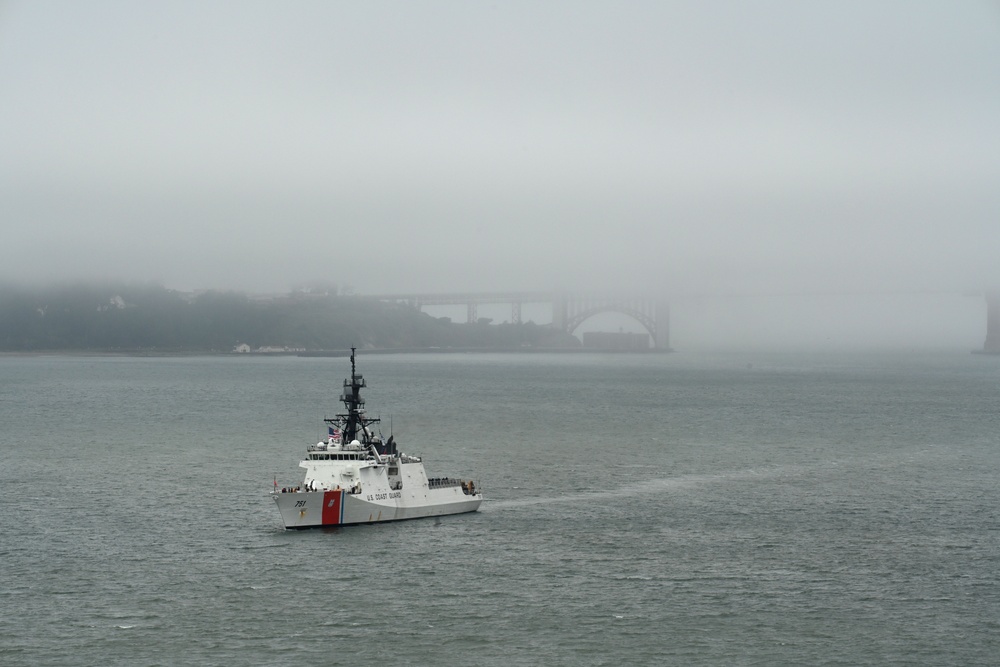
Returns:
point(560, 311)
point(992, 344)
point(661, 316)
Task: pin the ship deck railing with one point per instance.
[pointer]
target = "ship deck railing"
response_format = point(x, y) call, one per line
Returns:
point(301, 489)
point(442, 482)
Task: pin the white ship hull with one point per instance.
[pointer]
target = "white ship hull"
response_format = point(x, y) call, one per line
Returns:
point(311, 509)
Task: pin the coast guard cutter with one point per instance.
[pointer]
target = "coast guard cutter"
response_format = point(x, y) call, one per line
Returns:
point(353, 476)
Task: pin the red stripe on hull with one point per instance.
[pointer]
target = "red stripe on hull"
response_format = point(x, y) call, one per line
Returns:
point(331, 507)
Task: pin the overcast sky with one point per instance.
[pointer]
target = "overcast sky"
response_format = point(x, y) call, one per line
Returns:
point(685, 147)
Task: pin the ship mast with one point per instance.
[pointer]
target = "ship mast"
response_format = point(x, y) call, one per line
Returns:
point(354, 422)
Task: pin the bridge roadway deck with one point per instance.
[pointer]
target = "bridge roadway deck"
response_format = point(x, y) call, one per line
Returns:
point(463, 298)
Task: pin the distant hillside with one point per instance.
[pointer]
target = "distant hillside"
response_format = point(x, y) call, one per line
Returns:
point(142, 317)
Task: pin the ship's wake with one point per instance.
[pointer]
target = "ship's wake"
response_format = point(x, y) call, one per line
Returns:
point(819, 469)
point(648, 487)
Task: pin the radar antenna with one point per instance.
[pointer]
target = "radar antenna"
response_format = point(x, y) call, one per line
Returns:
point(353, 422)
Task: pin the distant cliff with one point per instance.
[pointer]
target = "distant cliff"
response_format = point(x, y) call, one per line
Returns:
point(125, 317)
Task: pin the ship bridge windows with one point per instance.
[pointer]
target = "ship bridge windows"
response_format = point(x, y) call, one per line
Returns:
point(335, 457)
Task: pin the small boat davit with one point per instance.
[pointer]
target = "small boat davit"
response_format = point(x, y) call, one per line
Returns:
point(353, 476)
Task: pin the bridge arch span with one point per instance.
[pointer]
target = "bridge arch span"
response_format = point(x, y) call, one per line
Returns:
point(577, 319)
point(569, 311)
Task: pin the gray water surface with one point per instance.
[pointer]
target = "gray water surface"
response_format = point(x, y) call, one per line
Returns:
point(734, 509)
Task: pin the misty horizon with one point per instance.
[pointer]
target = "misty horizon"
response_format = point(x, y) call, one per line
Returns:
point(750, 322)
point(670, 148)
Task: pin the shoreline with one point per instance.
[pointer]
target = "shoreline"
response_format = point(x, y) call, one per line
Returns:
point(326, 353)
